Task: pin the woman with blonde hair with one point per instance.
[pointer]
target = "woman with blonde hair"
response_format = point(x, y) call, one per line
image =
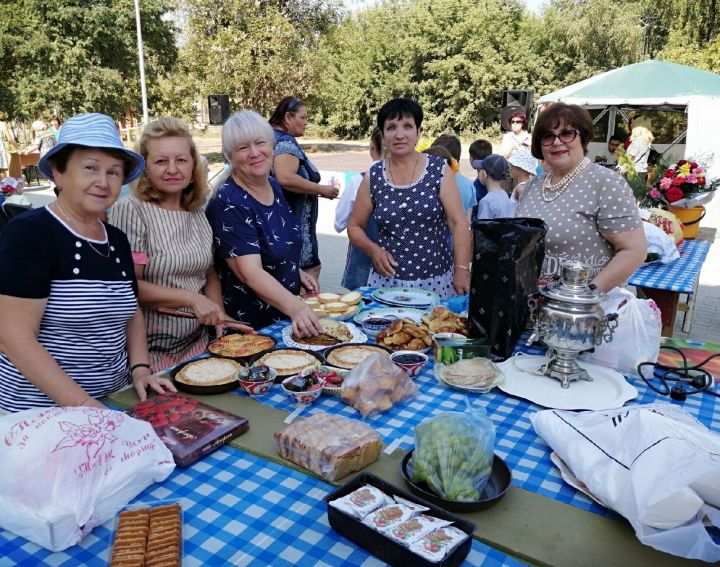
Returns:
point(172, 244)
point(641, 140)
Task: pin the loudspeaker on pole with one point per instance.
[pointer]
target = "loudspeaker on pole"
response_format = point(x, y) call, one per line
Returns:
point(218, 108)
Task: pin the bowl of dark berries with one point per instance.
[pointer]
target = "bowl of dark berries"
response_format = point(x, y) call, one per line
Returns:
point(303, 388)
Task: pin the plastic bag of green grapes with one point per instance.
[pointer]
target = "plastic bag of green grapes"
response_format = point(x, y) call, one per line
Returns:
point(454, 454)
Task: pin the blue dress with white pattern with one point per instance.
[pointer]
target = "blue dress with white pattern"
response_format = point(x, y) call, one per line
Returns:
point(243, 226)
point(413, 228)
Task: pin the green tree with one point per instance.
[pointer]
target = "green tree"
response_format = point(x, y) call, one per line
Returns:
point(257, 52)
point(77, 56)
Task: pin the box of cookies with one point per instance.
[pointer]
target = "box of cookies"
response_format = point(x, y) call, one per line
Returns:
point(397, 527)
point(148, 534)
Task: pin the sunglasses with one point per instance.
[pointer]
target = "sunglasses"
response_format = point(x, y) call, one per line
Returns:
point(516, 122)
point(292, 104)
point(565, 136)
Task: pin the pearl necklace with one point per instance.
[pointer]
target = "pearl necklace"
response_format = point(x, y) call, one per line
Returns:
point(63, 213)
point(560, 187)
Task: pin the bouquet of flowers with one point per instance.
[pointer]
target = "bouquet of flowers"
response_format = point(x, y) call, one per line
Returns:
point(678, 183)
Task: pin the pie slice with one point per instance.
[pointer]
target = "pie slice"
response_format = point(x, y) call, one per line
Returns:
point(334, 333)
point(351, 355)
point(209, 372)
point(237, 345)
point(288, 362)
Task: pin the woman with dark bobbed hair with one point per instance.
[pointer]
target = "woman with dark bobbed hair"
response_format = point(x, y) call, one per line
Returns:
point(299, 178)
point(518, 138)
point(414, 199)
point(590, 210)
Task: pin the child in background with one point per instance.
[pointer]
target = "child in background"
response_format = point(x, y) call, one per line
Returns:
point(492, 171)
point(522, 168)
point(478, 150)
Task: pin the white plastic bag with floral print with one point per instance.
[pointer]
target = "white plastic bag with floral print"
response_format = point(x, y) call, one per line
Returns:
point(66, 470)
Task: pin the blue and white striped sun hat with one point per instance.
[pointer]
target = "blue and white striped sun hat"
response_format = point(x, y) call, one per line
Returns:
point(92, 130)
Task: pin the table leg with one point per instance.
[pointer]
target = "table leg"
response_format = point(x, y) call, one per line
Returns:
point(667, 302)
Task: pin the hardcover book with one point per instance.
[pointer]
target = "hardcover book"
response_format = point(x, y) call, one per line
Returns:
point(189, 428)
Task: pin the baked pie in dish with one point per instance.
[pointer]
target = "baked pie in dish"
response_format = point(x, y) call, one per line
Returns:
point(209, 372)
point(349, 356)
point(237, 345)
point(287, 362)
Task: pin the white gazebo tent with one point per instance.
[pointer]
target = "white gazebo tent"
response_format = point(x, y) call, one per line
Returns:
point(657, 85)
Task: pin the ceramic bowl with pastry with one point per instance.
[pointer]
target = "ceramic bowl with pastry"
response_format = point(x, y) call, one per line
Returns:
point(206, 376)
point(288, 361)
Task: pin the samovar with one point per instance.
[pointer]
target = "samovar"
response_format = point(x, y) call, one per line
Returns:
point(568, 318)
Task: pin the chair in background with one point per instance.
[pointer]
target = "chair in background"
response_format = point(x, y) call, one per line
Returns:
point(13, 210)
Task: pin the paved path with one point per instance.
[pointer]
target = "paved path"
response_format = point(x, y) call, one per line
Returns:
point(705, 322)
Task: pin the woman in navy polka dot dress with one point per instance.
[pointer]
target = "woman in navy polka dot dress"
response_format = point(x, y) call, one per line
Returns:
point(415, 201)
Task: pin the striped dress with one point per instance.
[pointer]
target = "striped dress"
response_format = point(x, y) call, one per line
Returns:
point(176, 249)
point(91, 294)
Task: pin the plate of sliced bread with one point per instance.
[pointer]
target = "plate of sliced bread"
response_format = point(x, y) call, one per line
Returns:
point(340, 307)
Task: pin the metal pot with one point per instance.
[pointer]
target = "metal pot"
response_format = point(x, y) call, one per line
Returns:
point(568, 318)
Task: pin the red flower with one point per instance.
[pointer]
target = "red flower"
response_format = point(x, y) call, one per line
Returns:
point(674, 194)
point(693, 165)
point(679, 180)
point(681, 162)
point(669, 173)
point(701, 180)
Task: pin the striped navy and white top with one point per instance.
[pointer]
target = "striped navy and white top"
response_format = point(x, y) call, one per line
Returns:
point(90, 298)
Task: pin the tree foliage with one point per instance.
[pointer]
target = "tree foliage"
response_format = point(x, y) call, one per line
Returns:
point(255, 51)
point(75, 55)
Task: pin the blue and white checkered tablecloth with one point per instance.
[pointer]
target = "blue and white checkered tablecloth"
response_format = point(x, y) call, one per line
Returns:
point(679, 275)
point(516, 441)
point(238, 510)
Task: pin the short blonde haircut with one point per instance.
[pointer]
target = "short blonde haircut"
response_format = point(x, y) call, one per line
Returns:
point(194, 195)
point(642, 132)
point(244, 126)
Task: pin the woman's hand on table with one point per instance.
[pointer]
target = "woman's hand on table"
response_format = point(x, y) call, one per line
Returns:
point(383, 262)
point(304, 321)
point(461, 280)
point(143, 380)
point(309, 283)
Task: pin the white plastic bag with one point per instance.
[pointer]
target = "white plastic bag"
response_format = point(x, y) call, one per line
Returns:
point(67, 470)
point(660, 244)
point(636, 338)
point(654, 464)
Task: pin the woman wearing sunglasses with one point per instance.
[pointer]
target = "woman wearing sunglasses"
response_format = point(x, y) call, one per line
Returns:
point(518, 137)
point(590, 210)
point(299, 178)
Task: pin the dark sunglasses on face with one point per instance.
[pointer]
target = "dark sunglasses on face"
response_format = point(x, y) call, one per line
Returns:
point(565, 136)
point(516, 122)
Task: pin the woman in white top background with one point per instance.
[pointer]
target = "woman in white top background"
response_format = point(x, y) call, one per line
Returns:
point(518, 137)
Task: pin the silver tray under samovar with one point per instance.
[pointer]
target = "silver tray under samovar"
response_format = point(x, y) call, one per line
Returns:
point(568, 318)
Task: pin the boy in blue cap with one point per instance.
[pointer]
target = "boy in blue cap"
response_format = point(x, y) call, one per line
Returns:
point(492, 171)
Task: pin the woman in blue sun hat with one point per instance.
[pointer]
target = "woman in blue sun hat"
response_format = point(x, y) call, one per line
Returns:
point(71, 330)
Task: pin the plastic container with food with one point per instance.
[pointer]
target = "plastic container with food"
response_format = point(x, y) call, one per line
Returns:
point(386, 548)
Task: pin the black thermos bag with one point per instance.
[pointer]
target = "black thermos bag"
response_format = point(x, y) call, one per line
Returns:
point(507, 257)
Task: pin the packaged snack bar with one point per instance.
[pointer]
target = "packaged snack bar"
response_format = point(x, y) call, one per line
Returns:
point(362, 501)
point(408, 532)
point(410, 504)
point(384, 518)
point(438, 544)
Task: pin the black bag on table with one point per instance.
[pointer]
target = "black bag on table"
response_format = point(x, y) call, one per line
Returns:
point(507, 257)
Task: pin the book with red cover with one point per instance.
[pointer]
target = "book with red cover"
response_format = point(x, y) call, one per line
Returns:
point(189, 428)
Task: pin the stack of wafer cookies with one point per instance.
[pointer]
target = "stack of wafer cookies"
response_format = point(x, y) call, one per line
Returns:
point(148, 537)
